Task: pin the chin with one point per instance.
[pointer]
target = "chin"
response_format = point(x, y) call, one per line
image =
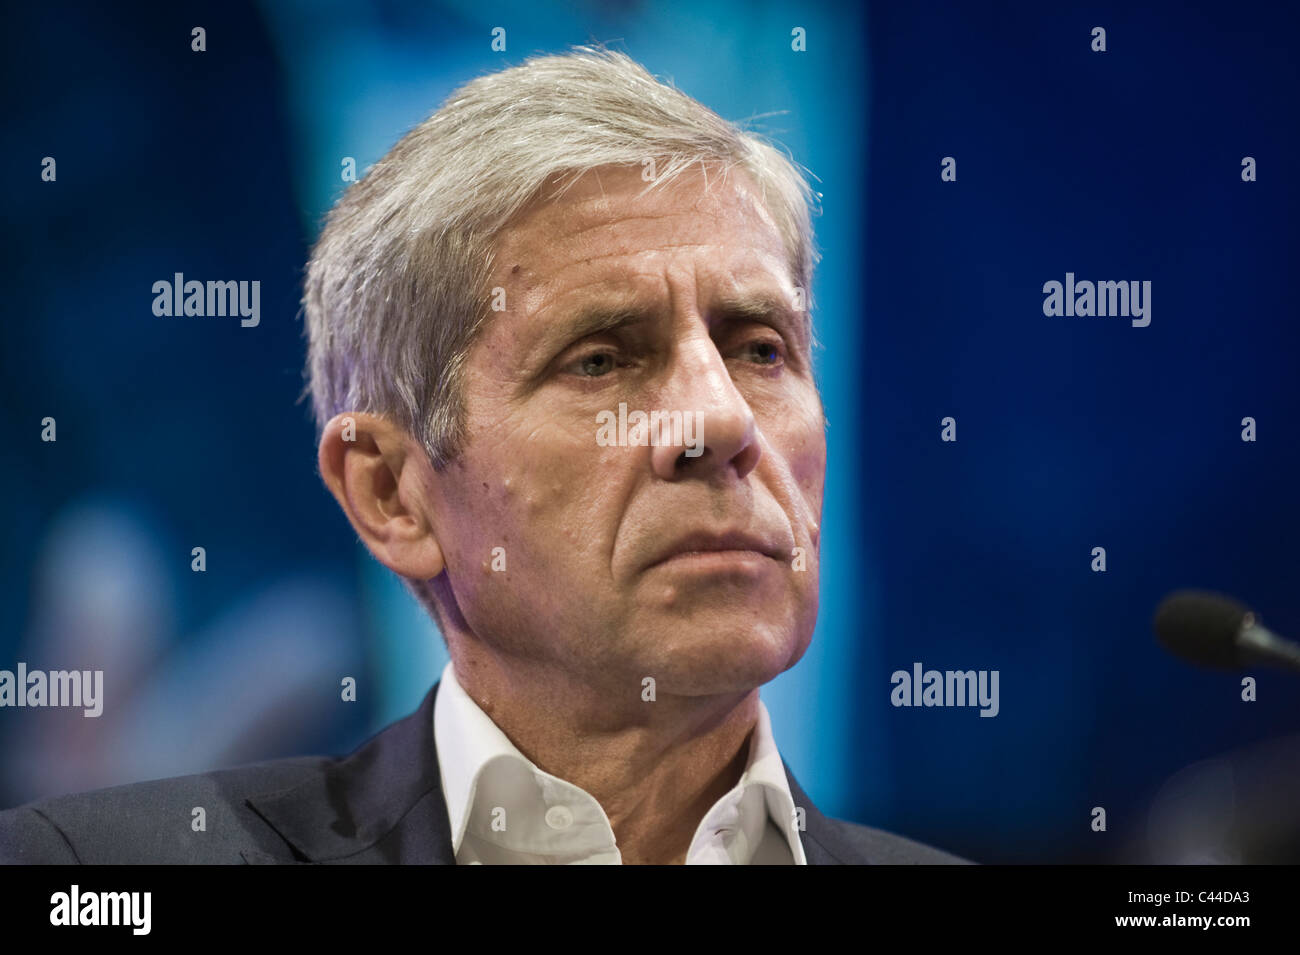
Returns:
point(708, 659)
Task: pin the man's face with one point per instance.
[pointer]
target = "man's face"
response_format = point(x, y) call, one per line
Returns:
point(704, 323)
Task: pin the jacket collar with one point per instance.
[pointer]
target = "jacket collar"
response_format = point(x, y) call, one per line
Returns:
point(384, 803)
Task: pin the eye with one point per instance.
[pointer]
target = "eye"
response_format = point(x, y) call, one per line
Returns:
point(595, 365)
point(768, 352)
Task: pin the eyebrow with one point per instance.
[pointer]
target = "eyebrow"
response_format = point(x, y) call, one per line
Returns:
point(596, 318)
point(761, 306)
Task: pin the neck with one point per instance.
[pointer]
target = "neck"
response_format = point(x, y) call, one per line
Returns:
point(655, 767)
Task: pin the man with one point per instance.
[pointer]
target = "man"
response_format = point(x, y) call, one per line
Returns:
point(561, 356)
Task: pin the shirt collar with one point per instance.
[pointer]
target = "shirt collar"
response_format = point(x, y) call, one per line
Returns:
point(471, 747)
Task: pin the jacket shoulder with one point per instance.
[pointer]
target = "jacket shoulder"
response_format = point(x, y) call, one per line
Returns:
point(156, 821)
point(865, 845)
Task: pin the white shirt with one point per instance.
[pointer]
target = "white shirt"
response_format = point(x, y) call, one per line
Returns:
point(505, 810)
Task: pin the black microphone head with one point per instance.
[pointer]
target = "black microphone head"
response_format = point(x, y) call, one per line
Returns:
point(1202, 627)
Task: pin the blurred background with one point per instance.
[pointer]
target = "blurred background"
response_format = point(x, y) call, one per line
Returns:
point(1072, 433)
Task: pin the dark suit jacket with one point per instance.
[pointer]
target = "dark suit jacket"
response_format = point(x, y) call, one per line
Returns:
point(381, 804)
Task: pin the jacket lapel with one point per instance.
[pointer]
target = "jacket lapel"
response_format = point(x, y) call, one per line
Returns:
point(822, 843)
point(381, 804)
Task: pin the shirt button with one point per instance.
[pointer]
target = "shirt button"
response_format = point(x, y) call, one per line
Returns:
point(559, 817)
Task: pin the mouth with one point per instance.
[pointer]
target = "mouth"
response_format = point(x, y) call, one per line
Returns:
point(718, 552)
point(716, 562)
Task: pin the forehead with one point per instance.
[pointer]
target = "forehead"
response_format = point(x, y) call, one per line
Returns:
point(610, 221)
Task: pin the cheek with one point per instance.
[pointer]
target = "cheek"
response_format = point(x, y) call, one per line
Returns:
point(803, 444)
point(809, 462)
point(544, 496)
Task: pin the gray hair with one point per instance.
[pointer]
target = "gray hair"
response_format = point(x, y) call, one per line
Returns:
point(396, 289)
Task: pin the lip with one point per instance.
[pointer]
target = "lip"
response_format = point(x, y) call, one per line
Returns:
point(706, 549)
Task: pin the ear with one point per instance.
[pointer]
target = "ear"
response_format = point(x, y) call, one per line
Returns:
point(380, 475)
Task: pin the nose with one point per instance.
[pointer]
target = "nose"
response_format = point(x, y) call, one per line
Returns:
point(723, 434)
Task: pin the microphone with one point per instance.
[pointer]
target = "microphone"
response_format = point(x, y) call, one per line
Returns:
point(1212, 630)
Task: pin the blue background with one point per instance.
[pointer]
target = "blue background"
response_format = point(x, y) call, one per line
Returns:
point(1072, 432)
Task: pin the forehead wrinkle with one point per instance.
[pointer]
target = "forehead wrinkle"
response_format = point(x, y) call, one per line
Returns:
point(708, 205)
point(613, 293)
point(616, 219)
point(764, 257)
point(583, 260)
point(760, 223)
point(752, 287)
